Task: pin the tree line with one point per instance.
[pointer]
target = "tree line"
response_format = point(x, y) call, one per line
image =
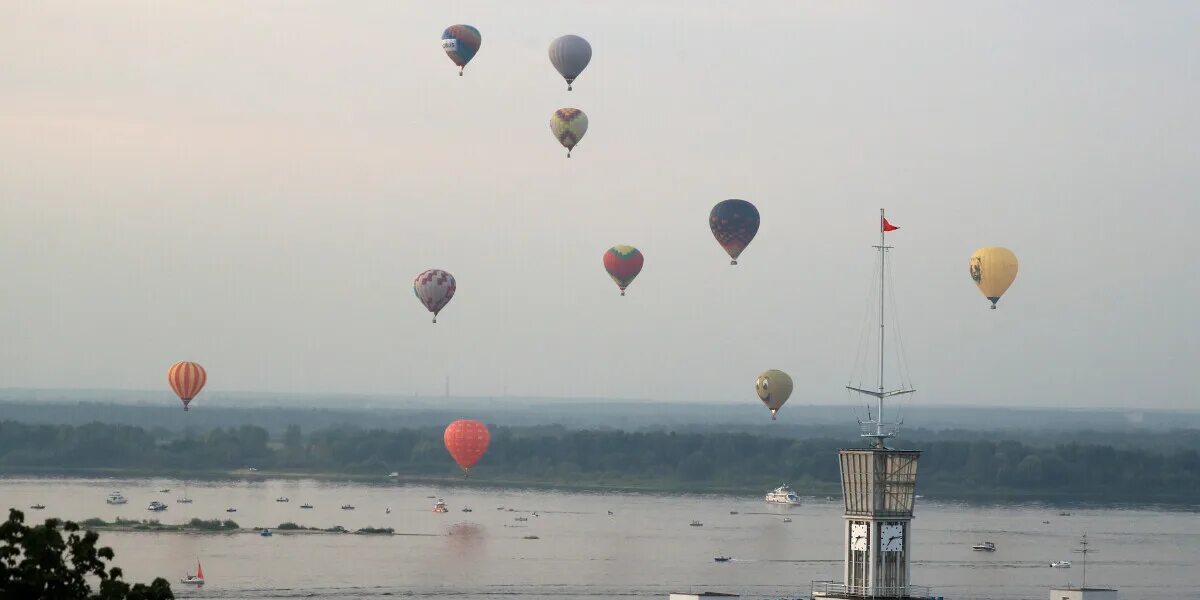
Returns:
point(551, 455)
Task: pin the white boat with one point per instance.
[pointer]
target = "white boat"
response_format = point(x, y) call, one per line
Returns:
point(197, 579)
point(157, 506)
point(783, 495)
point(984, 547)
point(116, 498)
point(440, 507)
point(265, 533)
point(1061, 564)
point(787, 519)
point(183, 500)
point(393, 474)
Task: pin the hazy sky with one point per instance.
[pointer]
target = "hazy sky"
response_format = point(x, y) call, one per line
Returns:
point(254, 185)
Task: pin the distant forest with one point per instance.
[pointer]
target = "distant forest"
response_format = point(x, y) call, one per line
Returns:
point(550, 456)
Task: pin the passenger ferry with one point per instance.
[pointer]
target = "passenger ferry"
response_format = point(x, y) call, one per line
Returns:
point(783, 495)
point(116, 498)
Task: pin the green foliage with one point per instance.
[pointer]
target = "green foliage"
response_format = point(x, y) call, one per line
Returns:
point(682, 460)
point(212, 524)
point(376, 530)
point(38, 562)
point(288, 526)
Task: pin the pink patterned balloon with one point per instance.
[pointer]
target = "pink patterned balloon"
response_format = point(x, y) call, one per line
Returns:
point(434, 288)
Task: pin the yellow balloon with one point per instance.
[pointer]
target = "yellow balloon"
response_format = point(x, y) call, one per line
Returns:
point(993, 268)
point(773, 387)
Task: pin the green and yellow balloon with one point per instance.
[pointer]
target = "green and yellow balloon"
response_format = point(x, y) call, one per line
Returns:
point(773, 387)
point(568, 126)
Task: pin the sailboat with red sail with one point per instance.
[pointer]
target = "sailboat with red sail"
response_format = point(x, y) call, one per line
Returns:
point(197, 579)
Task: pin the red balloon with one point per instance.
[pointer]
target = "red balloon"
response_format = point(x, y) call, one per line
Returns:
point(187, 379)
point(467, 441)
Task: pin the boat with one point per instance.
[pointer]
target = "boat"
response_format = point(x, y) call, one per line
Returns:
point(347, 507)
point(984, 547)
point(733, 512)
point(306, 505)
point(183, 500)
point(787, 519)
point(165, 491)
point(722, 558)
point(440, 507)
point(116, 498)
point(282, 499)
point(387, 511)
point(532, 537)
point(521, 518)
point(467, 509)
point(157, 506)
point(265, 532)
point(197, 579)
point(1061, 564)
point(38, 506)
point(393, 474)
point(231, 509)
point(1064, 514)
point(696, 524)
point(783, 495)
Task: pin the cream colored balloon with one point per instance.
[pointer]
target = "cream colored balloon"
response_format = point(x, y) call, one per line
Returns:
point(993, 268)
point(773, 387)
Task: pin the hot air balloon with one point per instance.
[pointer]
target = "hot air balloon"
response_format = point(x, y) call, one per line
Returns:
point(993, 268)
point(734, 223)
point(187, 379)
point(773, 387)
point(623, 263)
point(434, 288)
point(461, 42)
point(570, 55)
point(467, 441)
point(568, 126)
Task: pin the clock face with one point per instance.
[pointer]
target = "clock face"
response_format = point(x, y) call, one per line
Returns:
point(858, 537)
point(891, 538)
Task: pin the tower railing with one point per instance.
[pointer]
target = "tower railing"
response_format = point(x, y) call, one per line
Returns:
point(837, 589)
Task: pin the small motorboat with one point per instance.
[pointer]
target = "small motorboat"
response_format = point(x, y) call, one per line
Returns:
point(347, 507)
point(231, 509)
point(499, 508)
point(265, 532)
point(535, 514)
point(521, 518)
point(722, 558)
point(282, 499)
point(116, 498)
point(1045, 522)
point(387, 511)
point(984, 547)
point(440, 507)
point(532, 537)
point(610, 513)
point(38, 506)
point(733, 512)
point(696, 524)
point(467, 509)
point(1064, 514)
point(165, 491)
point(1061, 564)
point(431, 496)
point(393, 474)
point(306, 505)
point(787, 519)
point(183, 500)
point(197, 579)
point(157, 506)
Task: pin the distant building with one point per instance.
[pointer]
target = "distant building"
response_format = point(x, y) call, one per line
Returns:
point(1086, 593)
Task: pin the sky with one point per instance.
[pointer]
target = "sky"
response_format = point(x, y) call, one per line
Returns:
point(254, 186)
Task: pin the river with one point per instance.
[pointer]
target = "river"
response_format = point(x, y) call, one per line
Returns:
point(645, 549)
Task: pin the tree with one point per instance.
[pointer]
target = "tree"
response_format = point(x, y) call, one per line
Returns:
point(36, 562)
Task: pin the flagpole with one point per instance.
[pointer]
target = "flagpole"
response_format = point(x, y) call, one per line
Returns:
point(882, 280)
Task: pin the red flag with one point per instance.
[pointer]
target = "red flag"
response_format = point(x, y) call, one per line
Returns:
point(888, 226)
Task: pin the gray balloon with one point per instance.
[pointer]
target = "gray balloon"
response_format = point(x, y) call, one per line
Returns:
point(570, 54)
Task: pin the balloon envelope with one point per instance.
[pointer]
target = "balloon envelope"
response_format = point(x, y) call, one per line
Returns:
point(734, 223)
point(461, 42)
point(773, 387)
point(467, 441)
point(623, 264)
point(570, 55)
point(187, 379)
point(993, 269)
point(568, 126)
point(434, 288)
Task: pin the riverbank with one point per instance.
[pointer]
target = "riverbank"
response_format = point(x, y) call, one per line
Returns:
point(217, 526)
point(975, 495)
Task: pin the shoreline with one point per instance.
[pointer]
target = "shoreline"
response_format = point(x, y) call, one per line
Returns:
point(819, 491)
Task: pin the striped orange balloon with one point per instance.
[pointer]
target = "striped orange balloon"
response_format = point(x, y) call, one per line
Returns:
point(187, 379)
